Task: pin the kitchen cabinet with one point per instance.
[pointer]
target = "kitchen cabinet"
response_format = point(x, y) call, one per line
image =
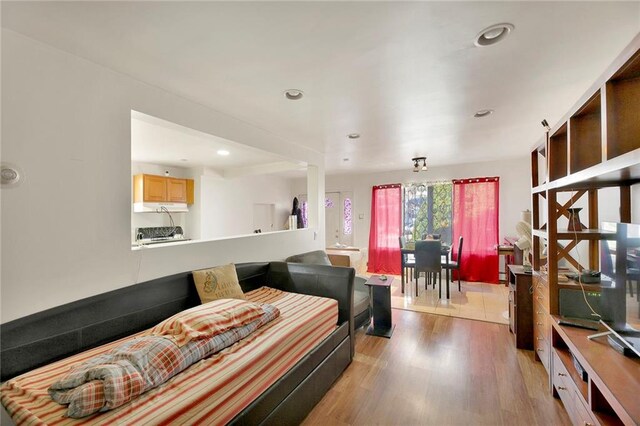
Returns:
point(159, 189)
point(176, 190)
point(154, 188)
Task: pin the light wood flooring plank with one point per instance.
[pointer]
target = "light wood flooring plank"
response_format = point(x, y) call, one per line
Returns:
point(439, 370)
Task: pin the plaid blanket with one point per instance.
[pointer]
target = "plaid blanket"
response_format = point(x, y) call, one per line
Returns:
point(110, 380)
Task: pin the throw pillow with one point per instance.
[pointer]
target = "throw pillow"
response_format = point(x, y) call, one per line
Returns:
point(220, 282)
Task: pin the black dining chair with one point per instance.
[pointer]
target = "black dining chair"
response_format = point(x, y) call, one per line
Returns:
point(408, 261)
point(454, 265)
point(427, 254)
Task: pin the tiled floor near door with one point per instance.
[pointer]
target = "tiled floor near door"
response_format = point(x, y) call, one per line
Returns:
point(478, 301)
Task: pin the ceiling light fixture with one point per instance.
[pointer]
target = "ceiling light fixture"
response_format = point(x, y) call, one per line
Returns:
point(293, 94)
point(353, 135)
point(493, 34)
point(223, 152)
point(416, 164)
point(483, 113)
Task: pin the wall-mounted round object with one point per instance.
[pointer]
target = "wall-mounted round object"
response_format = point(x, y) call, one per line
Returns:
point(10, 175)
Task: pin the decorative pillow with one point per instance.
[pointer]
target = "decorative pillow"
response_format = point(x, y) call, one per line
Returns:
point(207, 320)
point(220, 282)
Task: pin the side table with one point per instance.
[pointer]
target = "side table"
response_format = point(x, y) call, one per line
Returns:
point(520, 306)
point(381, 301)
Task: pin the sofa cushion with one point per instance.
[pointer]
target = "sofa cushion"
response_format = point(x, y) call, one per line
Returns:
point(216, 283)
point(317, 257)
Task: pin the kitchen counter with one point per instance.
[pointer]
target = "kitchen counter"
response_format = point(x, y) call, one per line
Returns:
point(136, 246)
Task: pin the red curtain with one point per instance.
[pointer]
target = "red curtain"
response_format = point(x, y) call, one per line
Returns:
point(386, 219)
point(475, 217)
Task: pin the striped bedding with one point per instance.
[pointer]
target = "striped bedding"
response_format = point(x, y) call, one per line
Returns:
point(212, 391)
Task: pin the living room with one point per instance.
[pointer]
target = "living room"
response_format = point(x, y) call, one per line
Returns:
point(407, 78)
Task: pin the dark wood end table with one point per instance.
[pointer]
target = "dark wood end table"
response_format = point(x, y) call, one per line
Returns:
point(381, 306)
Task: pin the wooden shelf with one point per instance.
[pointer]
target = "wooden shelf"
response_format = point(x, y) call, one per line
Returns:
point(538, 189)
point(595, 145)
point(622, 100)
point(584, 235)
point(617, 377)
point(622, 170)
point(558, 154)
point(585, 141)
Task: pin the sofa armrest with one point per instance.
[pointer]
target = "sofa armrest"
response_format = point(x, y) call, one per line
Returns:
point(317, 280)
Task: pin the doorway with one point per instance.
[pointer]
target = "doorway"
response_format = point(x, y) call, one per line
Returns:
point(338, 219)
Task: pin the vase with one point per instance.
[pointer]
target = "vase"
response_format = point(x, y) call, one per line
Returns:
point(574, 219)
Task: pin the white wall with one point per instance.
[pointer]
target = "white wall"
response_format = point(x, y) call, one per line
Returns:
point(227, 204)
point(66, 227)
point(515, 191)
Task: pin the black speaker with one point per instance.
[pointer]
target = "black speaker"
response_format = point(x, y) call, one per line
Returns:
point(573, 305)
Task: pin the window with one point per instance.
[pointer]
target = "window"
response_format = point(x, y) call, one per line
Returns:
point(427, 210)
point(346, 228)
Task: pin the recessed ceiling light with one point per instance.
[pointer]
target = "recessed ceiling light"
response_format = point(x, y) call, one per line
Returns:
point(183, 159)
point(493, 34)
point(293, 94)
point(223, 152)
point(353, 135)
point(483, 113)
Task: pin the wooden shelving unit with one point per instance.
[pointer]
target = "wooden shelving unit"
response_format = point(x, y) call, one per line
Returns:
point(596, 145)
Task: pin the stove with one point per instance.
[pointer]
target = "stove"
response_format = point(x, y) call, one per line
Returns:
point(160, 234)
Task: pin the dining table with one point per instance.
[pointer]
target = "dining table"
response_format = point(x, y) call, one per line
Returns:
point(410, 249)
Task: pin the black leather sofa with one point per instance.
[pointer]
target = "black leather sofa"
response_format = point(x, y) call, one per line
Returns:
point(38, 339)
point(361, 297)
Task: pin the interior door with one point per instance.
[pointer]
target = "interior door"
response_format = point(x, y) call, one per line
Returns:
point(332, 218)
point(263, 215)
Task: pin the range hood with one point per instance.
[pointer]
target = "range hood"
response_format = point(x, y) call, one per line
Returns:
point(155, 207)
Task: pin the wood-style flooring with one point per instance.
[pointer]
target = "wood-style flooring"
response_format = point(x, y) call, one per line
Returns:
point(439, 370)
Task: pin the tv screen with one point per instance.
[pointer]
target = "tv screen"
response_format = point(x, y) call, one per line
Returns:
point(620, 282)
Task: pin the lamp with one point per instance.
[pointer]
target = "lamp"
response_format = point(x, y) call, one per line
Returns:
point(416, 164)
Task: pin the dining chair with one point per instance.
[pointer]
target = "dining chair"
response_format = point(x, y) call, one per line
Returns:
point(427, 254)
point(408, 261)
point(454, 265)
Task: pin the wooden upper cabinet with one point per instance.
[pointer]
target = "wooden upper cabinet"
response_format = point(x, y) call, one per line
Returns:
point(155, 188)
point(158, 189)
point(176, 190)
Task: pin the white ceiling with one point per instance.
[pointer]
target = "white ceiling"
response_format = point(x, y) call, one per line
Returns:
point(405, 75)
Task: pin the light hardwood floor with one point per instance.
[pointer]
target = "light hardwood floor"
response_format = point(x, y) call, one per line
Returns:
point(438, 370)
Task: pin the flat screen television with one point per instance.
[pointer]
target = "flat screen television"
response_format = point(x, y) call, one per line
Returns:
point(620, 282)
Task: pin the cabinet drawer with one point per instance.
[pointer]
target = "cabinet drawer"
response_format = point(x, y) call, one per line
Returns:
point(573, 401)
point(541, 347)
point(541, 296)
point(582, 413)
point(541, 321)
point(539, 279)
point(564, 388)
